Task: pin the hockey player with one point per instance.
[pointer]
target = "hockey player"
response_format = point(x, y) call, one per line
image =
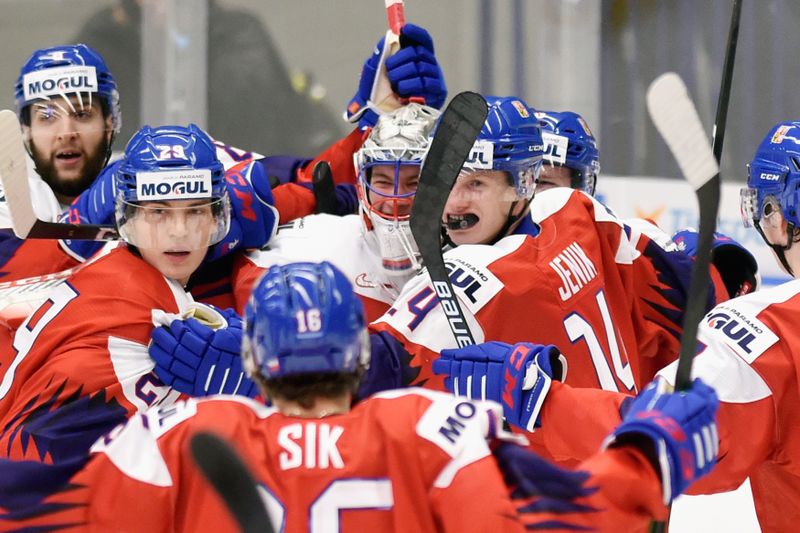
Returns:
point(410, 460)
point(571, 158)
point(374, 249)
point(566, 269)
point(413, 72)
point(80, 362)
point(746, 354)
point(68, 106)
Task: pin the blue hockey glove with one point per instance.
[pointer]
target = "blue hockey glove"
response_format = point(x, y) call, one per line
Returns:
point(413, 72)
point(254, 219)
point(681, 427)
point(198, 360)
point(95, 205)
point(517, 376)
point(735, 264)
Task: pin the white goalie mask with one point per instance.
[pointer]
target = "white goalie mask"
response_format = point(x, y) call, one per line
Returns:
point(388, 167)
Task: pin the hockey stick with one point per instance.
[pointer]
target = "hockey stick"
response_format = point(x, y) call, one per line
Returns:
point(14, 176)
point(324, 188)
point(224, 469)
point(676, 119)
point(718, 133)
point(456, 132)
point(382, 94)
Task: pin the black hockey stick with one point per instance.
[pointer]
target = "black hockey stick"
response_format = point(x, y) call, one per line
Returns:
point(14, 176)
point(455, 135)
point(232, 480)
point(718, 133)
point(324, 188)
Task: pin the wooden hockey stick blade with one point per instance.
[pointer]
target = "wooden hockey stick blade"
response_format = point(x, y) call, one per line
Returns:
point(224, 469)
point(382, 94)
point(14, 176)
point(452, 143)
point(676, 118)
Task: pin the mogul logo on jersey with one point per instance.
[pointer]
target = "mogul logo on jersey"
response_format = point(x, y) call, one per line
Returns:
point(477, 284)
point(176, 185)
point(746, 334)
point(555, 147)
point(481, 156)
point(59, 81)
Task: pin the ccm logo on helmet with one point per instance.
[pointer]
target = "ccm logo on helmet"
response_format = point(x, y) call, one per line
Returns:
point(59, 81)
point(184, 185)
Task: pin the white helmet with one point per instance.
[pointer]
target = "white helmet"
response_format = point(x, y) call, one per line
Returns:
point(393, 154)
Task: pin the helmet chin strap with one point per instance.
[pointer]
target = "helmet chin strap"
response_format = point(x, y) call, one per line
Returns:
point(780, 250)
point(511, 219)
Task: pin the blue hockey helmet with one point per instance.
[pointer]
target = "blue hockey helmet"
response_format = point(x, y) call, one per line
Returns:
point(569, 142)
point(166, 164)
point(773, 185)
point(65, 70)
point(304, 318)
point(510, 141)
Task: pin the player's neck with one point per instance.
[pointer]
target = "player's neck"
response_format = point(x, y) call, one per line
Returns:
point(322, 407)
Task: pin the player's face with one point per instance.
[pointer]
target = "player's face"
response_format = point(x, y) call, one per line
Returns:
point(479, 206)
point(384, 191)
point(553, 176)
point(68, 139)
point(174, 235)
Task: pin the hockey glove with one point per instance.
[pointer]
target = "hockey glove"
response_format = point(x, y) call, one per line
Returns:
point(254, 219)
point(735, 264)
point(201, 359)
point(679, 428)
point(517, 376)
point(413, 72)
point(95, 205)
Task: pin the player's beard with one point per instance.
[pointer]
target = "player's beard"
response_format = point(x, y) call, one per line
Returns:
point(92, 166)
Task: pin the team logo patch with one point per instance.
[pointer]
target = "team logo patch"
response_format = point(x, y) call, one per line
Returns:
point(481, 156)
point(175, 185)
point(521, 108)
point(779, 134)
point(585, 126)
point(555, 147)
point(59, 81)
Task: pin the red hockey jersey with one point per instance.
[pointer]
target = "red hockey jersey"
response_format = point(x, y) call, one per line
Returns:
point(606, 294)
point(403, 461)
point(80, 364)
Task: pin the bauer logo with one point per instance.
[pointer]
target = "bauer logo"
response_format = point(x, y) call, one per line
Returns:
point(746, 335)
point(481, 156)
point(176, 185)
point(59, 81)
point(555, 147)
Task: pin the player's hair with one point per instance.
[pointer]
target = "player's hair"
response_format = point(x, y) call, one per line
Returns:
point(305, 389)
